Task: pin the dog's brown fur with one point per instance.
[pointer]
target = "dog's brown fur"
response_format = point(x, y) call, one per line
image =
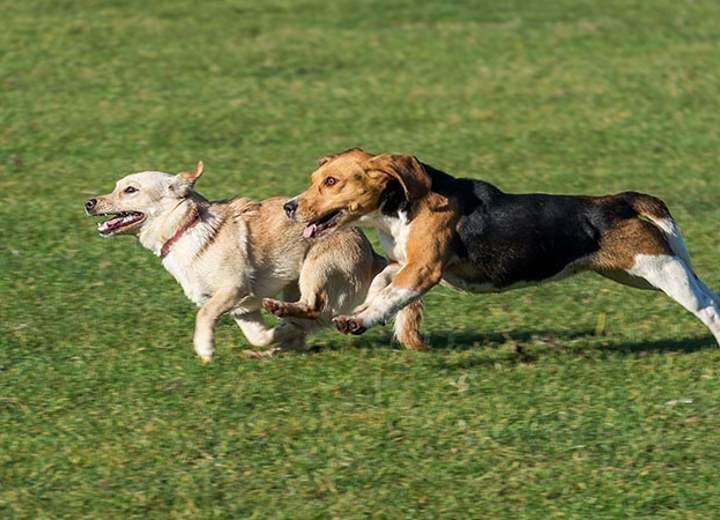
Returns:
point(639, 243)
point(233, 256)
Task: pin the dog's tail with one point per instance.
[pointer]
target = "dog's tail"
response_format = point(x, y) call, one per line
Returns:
point(407, 326)
point(656, 212)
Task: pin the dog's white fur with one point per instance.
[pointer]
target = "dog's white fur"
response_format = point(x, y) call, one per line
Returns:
point(234, 254)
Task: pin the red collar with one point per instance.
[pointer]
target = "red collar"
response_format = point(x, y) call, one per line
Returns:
point(194, 217)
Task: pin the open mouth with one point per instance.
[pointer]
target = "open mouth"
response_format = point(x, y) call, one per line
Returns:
point(119, 221)
point(315, 228)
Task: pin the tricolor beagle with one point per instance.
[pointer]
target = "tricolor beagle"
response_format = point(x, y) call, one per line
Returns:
point(470, 235)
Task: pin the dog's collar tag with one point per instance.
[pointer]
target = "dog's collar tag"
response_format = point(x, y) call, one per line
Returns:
point(165, 250)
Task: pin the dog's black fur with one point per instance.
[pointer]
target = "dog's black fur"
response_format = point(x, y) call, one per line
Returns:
point(520, 238)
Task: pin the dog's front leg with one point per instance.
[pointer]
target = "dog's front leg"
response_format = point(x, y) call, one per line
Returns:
point(411, 282)
point(299, 309)
point(380, 282)
point(221, 302)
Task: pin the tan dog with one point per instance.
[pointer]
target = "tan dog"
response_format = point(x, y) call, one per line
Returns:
point(470, 235)
point(228, 256)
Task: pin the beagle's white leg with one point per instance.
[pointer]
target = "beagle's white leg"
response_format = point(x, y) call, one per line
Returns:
point(378, 310)
point(386, 303)
point(379, 283)
point(410, 283)
point(675, 278)
point(382, 280)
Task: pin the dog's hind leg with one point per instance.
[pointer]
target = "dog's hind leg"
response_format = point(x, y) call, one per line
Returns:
point(254, 328)
point(288, 336)
point(647, 255)
point(674, 277)
point(407, 326)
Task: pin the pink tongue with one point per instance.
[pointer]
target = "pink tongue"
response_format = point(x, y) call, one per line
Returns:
point(110, 224)
point(116, 222)
point(309, 231)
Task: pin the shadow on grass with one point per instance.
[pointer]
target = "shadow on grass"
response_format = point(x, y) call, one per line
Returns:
point(471, 340)
point(530, 346)
point(686, 345)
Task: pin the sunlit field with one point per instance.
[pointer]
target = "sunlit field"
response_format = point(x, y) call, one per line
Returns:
point(582, 399)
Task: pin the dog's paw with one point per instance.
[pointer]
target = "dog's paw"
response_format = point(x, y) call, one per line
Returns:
point(260, 354)
point(275, 307)
point(349, 325)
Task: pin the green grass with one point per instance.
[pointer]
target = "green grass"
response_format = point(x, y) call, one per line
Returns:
point(105, 411)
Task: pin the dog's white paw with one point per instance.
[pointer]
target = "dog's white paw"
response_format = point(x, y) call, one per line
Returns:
point(260, 354)
point(204, 353)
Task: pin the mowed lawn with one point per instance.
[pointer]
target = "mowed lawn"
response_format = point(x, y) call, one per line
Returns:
point(581, 399)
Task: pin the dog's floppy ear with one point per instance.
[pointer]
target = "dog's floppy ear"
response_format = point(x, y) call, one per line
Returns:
point(184, 182)
point(405, 169)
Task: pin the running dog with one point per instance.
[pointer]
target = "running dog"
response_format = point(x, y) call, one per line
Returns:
point(232, 256)
point(469, 235)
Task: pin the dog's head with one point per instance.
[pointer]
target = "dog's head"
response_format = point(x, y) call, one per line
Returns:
point(354, 183)
point(140, 198)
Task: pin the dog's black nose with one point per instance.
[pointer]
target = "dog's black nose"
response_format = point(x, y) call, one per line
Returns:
point(90, 204)
point(290, 207)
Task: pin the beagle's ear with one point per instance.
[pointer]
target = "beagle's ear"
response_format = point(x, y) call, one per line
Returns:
point(327, 158)
point(184, 182)
point(405, 169)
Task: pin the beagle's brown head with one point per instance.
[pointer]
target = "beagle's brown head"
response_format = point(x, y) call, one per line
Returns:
point(352, 184)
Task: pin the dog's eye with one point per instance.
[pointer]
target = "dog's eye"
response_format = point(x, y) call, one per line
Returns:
point(329, 181)
point(130, 189)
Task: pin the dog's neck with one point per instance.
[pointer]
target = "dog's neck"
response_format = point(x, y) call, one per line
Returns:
point(393, 210)
point(189, 223)
point(383, 221)
point(168, 225)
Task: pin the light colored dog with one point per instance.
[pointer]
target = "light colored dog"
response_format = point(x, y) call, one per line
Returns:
point(228, 256)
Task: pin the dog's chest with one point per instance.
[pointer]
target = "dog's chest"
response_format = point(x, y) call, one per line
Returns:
point(189, 269)
point(393, 233)
point(196, 287)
